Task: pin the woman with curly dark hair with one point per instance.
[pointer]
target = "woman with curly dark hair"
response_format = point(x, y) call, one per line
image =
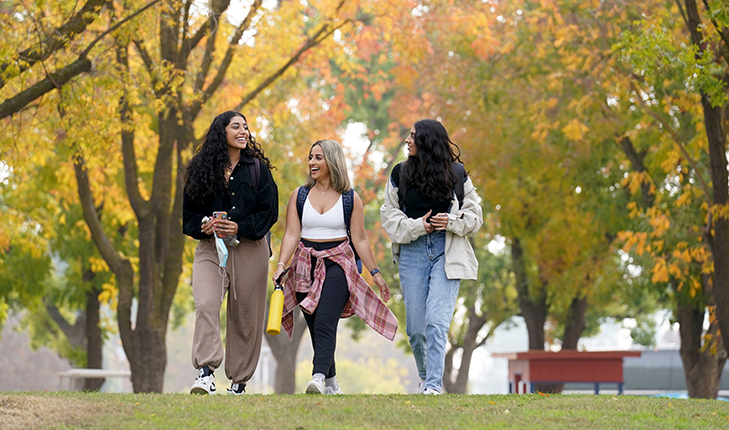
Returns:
point(230, 203)
point(430, 208)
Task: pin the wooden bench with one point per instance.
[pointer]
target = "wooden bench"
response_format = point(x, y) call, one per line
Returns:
point(72, 374)
point(527, 369)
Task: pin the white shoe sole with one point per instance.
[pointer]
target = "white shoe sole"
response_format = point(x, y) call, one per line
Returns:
point(313, 388)
point(200, 391)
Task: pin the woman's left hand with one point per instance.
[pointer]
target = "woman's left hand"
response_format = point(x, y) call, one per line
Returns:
point(382, 286)
point(226, 227)
point(439, 221)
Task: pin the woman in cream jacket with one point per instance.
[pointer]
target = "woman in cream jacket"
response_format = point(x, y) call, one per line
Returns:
point(431, 208)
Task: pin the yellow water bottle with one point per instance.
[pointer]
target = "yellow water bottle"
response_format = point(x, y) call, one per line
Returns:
point(275, 310)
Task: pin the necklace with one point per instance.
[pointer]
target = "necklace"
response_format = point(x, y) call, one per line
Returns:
point(324, 192)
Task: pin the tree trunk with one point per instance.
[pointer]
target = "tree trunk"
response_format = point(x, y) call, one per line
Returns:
point(717, 139)
point(575, 324)
point(285, 352)
point(701, 366)
point(94, 343)
point(468, 346)
point(533, 306)
point(149, 361)
point(84, 333)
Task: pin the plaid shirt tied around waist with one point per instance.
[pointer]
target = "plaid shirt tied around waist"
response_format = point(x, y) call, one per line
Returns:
point(363, 301)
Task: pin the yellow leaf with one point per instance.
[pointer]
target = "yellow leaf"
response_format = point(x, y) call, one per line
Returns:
point(575, 130)
point(98, 265)
point(660, 271)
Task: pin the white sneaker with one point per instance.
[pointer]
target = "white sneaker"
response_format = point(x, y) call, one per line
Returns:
point(237, 389)
point(204, 383)
point(315, 386)
point(329, 390)
point(431, 391)
point(421, 387)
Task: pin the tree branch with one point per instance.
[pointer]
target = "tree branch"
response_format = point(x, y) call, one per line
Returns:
point(319, 37)
point(207, 59)
point(683, 13)
point(139, 205)
point(723, 36)
point(676, 140)
point(185, 24)
point(52, 81)
point(148, 64)
point(56, 40)
point(62, 76)
point(65, 327)
point(227, 60)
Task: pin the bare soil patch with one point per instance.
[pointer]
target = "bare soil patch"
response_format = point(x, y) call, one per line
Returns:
point(31, 412)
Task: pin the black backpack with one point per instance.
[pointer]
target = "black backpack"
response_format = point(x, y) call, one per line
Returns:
point(459, 177)
point(347, 208)
point(255, 169)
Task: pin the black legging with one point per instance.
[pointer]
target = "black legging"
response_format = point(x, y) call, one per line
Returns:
point(323, 321)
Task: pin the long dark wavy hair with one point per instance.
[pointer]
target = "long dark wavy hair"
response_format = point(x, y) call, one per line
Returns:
point(205, 171)
point(429, 171)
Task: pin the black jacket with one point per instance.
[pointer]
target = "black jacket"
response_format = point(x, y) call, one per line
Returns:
point(255, 211)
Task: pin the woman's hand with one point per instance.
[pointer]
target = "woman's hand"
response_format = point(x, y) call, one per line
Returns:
point(382, 286)
point(225, 227)
point(440, 221)
point(429, 228)
point(279, 270)
point(208, 227)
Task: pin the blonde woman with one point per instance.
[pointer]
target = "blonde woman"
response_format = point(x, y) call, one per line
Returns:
point(324, 228)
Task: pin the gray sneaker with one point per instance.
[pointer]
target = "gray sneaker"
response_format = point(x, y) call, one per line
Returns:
point(332, 389)
point(204, 383)
point(315, 386)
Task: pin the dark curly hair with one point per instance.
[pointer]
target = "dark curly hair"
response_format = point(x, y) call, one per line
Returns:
point(429, 171)
point(205, 171)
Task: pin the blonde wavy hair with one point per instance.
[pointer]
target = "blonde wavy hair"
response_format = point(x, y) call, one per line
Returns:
point(334, 156)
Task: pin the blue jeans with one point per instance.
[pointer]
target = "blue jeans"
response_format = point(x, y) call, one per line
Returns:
point(430, 299)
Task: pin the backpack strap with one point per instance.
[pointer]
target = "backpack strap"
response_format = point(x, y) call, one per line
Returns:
point(300, 200)
point(255, 169)
point(348, 207)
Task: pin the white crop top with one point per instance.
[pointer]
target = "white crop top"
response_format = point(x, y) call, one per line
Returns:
point(329, 225)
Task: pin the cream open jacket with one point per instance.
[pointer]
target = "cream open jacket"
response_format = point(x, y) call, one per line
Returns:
point(460, 260)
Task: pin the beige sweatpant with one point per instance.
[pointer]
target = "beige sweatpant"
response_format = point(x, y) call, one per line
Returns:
point(246, 284)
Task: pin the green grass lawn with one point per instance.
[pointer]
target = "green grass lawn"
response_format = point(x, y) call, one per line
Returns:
point(527, 411)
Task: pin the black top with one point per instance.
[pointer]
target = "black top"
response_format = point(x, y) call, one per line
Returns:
point(255, 211)
point(415, 204)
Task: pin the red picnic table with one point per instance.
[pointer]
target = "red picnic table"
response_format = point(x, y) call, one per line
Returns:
point(526, 369)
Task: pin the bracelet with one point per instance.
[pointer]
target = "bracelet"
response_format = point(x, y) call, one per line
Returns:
point(375, 271)
point(280, 264)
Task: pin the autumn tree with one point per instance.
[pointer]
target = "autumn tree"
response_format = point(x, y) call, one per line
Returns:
point(162, 73)
point(676, 80)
